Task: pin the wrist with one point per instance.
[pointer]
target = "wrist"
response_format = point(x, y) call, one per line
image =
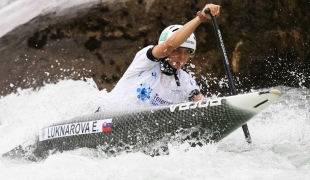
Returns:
point(202, 18)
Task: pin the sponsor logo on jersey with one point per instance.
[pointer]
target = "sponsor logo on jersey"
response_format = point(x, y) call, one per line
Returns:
point(144, 92)
point(154, 74)
point(140, 73)
point(176, 91)
point(159, 101)
point(73, 129)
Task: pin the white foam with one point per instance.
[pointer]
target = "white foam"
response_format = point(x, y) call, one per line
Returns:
point(280, 135)
point(21, 11)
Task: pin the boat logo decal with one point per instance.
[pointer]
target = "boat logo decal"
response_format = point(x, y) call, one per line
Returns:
point(194, 105)
point(261, 103)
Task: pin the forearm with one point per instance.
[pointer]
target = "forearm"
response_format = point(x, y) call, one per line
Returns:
point(180, 36)
point(173, 42)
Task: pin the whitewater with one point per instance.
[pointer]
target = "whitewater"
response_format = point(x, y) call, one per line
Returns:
point(280, 133)
point(280, 148)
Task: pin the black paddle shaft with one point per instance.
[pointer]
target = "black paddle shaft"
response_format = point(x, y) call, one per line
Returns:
point(227, 68)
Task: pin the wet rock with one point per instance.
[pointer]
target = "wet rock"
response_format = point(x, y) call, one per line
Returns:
point(267, 44)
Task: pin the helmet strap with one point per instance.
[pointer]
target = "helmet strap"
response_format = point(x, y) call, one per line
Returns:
point(167, 69)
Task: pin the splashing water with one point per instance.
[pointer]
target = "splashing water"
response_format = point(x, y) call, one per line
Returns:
point(280, 134)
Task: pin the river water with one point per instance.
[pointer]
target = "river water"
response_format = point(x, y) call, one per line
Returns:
point(280, 134)
point(280, 148)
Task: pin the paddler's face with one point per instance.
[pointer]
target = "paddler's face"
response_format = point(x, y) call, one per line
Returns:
point(179, 57)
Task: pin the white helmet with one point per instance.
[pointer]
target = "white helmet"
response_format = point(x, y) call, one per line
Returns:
point(189, 43)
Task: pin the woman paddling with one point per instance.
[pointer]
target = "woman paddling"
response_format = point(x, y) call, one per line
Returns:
point(155, 76)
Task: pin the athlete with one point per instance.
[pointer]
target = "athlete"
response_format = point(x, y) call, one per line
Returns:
point(155, 76)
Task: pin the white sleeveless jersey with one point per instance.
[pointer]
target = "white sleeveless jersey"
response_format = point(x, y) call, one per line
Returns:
point(144, 84)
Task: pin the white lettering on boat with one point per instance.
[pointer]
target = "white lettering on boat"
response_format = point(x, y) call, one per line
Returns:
point(193, 105)
point(89, 127)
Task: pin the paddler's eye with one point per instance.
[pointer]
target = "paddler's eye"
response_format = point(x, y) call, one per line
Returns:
point(187, 52)
point(177, 50)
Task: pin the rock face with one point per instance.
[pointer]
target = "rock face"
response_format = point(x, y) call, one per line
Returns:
point(267, 44)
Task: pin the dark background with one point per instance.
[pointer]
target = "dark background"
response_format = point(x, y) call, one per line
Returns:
point(267, 43)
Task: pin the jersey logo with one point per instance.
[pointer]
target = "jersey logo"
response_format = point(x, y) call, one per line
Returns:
point(144, 92)
point(154, 74)
point(140, 73)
